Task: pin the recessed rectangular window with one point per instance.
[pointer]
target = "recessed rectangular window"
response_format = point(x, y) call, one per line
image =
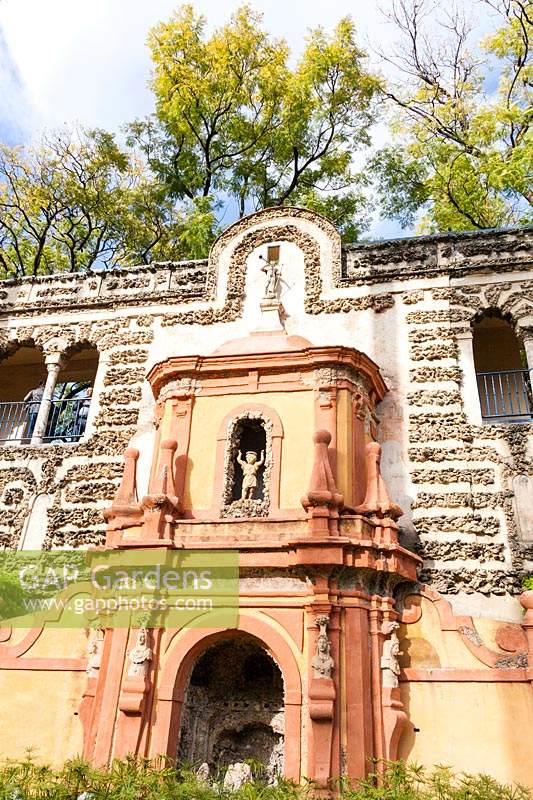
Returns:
point(273, 252)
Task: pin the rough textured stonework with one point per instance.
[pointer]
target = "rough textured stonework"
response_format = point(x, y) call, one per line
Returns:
point(76, 490)
point(456, 476)
point(441, 436)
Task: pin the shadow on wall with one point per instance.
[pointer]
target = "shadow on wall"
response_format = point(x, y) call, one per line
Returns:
point(390, 347)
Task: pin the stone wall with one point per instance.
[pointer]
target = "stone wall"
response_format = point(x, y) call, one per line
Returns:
point(66, 486)
point(406, 303)
point(463, 516)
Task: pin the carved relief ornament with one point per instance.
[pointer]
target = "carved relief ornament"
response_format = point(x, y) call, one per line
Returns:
point(322, 663)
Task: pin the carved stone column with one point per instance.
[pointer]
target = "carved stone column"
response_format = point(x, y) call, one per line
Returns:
point(358, 708)
point(94, 407)
point(135, 695)
point(527, 338)
point(54, 363)
point(321, 705)
point(394, 716)
point(469, 389)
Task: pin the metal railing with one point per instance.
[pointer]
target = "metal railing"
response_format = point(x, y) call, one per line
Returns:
point(66, 421)
point(17, 421)
point(506, 395)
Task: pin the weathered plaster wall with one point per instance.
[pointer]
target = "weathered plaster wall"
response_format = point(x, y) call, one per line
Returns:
point(470, 726)
point(296, 409)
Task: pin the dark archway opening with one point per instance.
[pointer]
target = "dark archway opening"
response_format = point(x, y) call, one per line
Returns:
point(233, 709)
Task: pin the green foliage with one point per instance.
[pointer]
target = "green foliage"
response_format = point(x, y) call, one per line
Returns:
point(528, 583)
point(234, 121)
point(142, 779)
point(412, 782)
point(76, 200)
point(239, 125)
point(462, 156)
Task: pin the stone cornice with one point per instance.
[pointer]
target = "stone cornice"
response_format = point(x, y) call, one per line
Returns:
point(181, 283)
point(454, 254)
point(306, 360)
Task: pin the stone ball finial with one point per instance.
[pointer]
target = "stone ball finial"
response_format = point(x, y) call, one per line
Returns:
point(322, 437)
point(526, 600)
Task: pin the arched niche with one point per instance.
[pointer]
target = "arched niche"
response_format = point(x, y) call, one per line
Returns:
point(233, 708)
point(248, 428)
point(182, 654)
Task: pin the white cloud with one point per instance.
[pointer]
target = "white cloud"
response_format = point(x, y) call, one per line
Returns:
point(87, 62)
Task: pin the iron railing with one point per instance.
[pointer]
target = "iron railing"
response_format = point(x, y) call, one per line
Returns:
point(506, 395)
point(17, 421)
point(66, 420)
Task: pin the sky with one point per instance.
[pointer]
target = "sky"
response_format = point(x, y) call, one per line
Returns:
point(86, 61)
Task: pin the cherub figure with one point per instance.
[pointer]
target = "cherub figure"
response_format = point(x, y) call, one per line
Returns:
point(250, 468)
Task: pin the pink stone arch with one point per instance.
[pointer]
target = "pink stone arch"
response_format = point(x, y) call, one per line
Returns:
point(183, 654)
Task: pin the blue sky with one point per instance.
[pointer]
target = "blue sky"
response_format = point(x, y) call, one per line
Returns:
point(87, 62)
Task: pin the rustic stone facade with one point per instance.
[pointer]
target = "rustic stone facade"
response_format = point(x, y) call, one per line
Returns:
point(378, 560)
point(462, 518)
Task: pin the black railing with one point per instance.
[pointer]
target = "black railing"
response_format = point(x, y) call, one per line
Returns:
point(17, 421)
point(506, 395)
point(66, 420)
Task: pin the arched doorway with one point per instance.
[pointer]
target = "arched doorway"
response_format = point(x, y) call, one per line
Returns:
point(233, 708)
point(183, 651)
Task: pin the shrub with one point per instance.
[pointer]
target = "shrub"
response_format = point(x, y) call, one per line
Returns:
point(141, 779)
point(402, 781)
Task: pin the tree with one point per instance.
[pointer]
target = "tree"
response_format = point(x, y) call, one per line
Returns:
point(464, 156)
point(76, 200)
point(234, 122)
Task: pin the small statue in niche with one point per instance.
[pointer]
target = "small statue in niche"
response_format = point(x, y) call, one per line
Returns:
point(322, 662)
point(272, 271)
point(139, 656)
point(250, 467)
point(390, 665)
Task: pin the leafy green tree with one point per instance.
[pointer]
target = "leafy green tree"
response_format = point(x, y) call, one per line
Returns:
point(76, 200)
point(463, 156)
point(233, 121)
